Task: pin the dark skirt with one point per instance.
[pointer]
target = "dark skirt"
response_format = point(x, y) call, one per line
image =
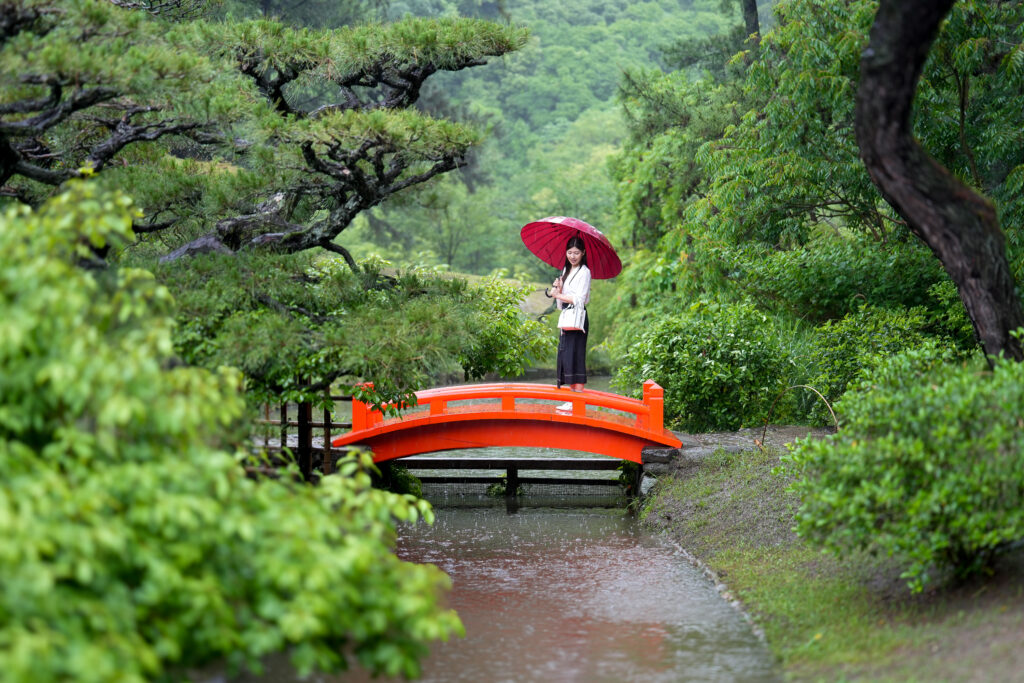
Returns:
point(572, 355)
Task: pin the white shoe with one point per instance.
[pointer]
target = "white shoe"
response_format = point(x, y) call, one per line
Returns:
point(565, 407)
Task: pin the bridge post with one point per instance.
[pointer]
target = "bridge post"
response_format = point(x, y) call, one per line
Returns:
point(360, 412)
point(305, 446)
point(326, 464)
point(284, 424)
point(511, 482)
point(654, 398)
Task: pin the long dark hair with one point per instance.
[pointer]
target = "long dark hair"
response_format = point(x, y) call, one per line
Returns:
point(574, 241)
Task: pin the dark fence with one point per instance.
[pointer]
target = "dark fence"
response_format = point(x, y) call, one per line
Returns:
point(307, 439)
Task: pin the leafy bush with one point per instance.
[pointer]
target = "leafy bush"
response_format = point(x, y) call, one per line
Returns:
point(134, 546)
point(929, 466)
point(861, 340)
point(503, 340)
point(721, 366)
point(948, 317)
point(397, 478)
point(830, 278)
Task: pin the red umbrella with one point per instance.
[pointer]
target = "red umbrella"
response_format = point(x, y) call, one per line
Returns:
point(547, 237)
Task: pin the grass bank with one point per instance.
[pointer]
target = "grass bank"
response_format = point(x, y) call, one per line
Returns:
point(836, 618)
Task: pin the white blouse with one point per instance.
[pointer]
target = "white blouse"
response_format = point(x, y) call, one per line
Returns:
point(576, 285)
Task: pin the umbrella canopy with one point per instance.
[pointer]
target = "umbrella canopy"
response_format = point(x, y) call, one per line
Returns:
point(547, 238)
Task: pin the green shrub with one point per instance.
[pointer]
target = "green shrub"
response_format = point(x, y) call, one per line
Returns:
point(134, 546)
point(859, 341)
point(948, 317)
point(721, 366)
point(830, 278)
point(397, 478)
point(929, 466)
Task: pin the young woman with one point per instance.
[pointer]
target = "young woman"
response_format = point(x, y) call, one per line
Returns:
point(572, 290)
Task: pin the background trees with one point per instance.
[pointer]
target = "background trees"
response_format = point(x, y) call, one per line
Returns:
point(253, 140)
point(552, 119)
point(959, 225)
point(775, 206)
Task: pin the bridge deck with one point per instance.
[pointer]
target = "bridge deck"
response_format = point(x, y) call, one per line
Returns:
point(514, 414)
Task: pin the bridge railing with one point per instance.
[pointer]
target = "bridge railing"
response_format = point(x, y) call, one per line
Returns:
point(308, 438)
point(649, 412)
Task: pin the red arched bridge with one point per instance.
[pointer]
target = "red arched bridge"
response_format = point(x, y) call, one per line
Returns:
point(515, 414)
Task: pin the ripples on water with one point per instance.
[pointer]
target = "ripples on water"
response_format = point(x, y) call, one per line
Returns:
point(578, 595)
point(557, 594)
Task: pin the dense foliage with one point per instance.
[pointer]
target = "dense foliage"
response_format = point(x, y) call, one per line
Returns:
point(134, 546)
point(294, 326)
point(709, 360)
point(929, 466)
point(746, 184)
point(842, 349)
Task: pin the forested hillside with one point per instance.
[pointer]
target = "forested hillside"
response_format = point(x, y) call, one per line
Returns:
point(553, 126)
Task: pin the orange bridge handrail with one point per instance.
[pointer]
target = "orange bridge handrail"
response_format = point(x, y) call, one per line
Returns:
point(436, 423)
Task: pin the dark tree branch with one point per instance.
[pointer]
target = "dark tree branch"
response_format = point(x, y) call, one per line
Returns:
point(15, 18)
point(338, 249)
point(147, 228)
point(179, 9)
point(40, 174)
point(57, 111)
point(280, 307)
point(271, 82)
point(964, 89)
point(959, 226)
point(124, 133)
point(26, 106)
point(354, 191)
point(206, 244)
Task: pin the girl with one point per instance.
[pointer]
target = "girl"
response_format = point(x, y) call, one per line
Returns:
point(571, 290)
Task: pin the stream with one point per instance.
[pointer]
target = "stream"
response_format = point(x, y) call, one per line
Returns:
point(568, 587)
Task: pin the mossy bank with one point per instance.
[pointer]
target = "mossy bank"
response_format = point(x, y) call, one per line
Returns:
point(826, 617)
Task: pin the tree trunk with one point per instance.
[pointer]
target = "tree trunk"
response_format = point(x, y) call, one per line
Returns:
point(958, 225)
point(750, 21)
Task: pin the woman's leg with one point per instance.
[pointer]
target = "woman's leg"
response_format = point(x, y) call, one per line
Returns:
point(580, 356)
point(560, 361)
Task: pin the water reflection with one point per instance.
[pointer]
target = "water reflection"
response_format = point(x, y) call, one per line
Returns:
point(572, 595)
point(580, 595)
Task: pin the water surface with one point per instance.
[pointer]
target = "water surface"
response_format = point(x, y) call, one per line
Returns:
point(564, 585)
